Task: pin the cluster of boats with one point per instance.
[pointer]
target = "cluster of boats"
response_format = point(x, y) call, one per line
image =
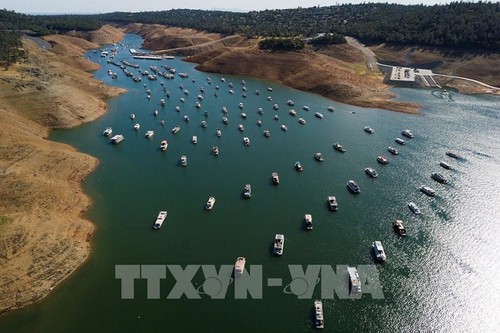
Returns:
point(331, 201)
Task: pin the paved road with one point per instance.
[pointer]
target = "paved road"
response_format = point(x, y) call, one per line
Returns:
point(370, 58)
point(38, 41)
point(471, 80)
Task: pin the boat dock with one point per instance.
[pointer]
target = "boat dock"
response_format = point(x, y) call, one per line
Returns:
point(409, 75)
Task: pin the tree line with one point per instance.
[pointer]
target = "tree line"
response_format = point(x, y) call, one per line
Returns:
point(458, 24)
point(11, 50)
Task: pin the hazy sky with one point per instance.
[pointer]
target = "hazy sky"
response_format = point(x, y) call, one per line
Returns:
point(106, 6)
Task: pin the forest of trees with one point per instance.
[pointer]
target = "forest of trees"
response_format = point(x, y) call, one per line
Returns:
point(458, 24)
point(47, 24)
point(281, 44)
point(11, 50)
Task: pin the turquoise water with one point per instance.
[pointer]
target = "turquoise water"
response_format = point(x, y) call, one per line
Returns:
point(441, 277)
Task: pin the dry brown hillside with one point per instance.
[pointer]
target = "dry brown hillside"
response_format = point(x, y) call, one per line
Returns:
point(107, 34)
point(478, 65)
point(158, 37)
point(50, 89)
point(43, 237)
point(335, 72)
point(305, 70)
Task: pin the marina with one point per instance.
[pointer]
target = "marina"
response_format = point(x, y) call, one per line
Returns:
point(240, 226)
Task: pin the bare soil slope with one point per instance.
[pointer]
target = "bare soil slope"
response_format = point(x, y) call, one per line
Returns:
point(335, 72)
point(43, 238)
point(478, 65)
point(307, 71)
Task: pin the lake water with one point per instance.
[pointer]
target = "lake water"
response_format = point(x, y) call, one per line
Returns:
point(442, 277)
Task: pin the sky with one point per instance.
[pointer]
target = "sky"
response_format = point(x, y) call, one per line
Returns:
point(107, 6)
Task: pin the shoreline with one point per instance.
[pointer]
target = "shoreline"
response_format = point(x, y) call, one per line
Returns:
point(44, 237)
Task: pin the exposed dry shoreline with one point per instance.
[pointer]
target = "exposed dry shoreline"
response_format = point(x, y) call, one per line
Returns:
point(43, 238)
point(337, 72)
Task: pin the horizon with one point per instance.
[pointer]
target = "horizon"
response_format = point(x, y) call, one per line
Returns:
point(49, 7)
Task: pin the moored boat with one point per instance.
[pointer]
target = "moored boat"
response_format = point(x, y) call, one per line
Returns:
point(137, 126)
point(427, 190)
point(239, 266)
point(247, 191)
point(302, 121)
point(353, 186)
point(163, 145)
point(204, 124)
point(319, 321)
point(215, 150)
point(298, 166)
point(183, 160)
point(318, 115)
point(159, 219)
point(453, 154)
point(393, 151)
point(117, 139)
point(414, 208)
point(176, 129)
point(368, 129)
point(309, 221)
point(267, 133)
point(284, 128)
point(332, 202)
point(371, 172)
point(439, 178)
point(194, 139)
point(399, 227)
point(108, 131)
point(149, 134)
point(382, 159)
point(292, 112)
point(354, 280)
point(400, 141)
point(241, 128)
point(407, 133)
point(319, 157)
point(445, 165)
point(246, 141)
point(275, 177)
point(218, 132)
point(338, 147)
point(279, 243)
point(210, 203)
point(378, 251)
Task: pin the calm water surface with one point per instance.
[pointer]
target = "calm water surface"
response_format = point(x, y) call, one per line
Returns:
point(443, 277)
